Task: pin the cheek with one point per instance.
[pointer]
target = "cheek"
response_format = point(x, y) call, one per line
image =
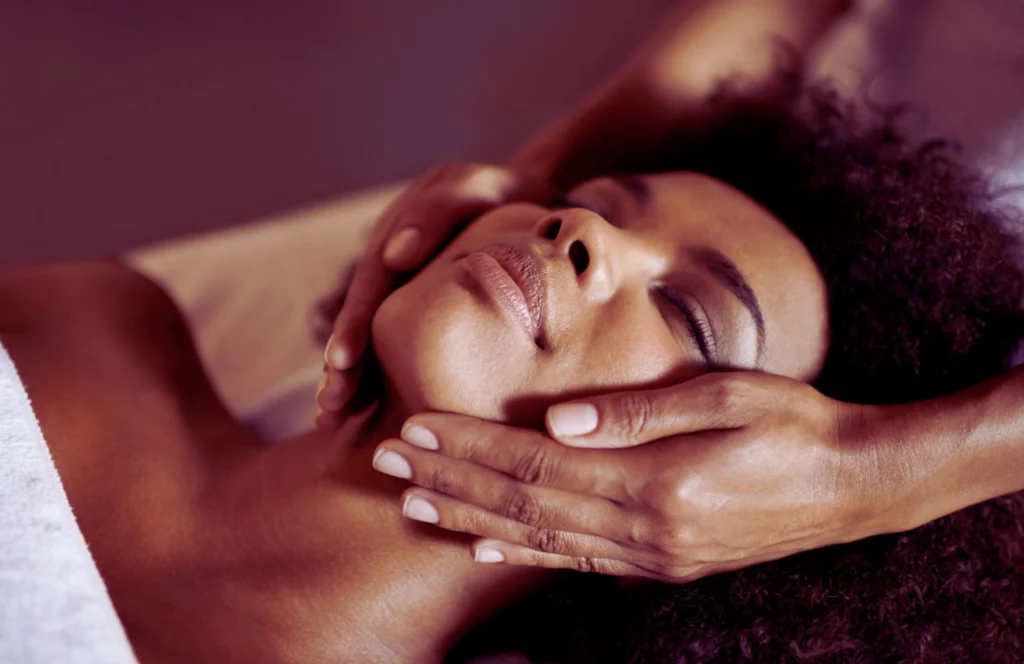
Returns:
point(626, 347)
point(442, 349)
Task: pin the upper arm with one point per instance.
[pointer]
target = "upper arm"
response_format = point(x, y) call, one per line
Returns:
point(701, 43)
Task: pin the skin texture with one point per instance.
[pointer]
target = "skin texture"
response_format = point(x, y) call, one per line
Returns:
point(215, 546)
point(924, 301)
point(607, 322)
point(656, 93)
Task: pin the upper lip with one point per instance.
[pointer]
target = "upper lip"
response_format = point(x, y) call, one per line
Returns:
point(531, 275)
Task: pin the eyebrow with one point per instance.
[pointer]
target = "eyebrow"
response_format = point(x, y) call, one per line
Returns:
point(727, 274)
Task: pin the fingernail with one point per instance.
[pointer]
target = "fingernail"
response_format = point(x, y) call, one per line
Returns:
point(401, 245)
point(392, 463)
point(420, 436)
point(335, 355)
point(485, 555)
point(573, 419)
point(420, 510)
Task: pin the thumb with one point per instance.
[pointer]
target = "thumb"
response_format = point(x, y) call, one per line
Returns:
point(626, 419)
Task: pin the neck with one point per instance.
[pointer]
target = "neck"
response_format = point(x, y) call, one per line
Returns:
point(385, 421)
point(423, 572)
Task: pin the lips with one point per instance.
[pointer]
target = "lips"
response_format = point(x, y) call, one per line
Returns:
point(521, 289)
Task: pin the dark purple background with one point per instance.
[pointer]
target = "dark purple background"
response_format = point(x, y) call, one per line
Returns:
point(126, 121)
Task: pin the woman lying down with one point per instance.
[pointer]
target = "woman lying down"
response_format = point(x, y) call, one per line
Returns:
point(794, 238)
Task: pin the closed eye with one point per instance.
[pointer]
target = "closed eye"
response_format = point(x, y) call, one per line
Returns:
point(570, 202)
point(698, 327)
point(567, 201)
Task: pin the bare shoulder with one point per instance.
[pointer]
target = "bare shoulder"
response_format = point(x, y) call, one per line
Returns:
point(109, 364)
point(96, 326)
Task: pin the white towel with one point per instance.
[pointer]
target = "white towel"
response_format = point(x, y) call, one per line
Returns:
point(53, 604)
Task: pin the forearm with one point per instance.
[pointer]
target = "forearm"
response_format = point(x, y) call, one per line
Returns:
point(661, 88)
point(926, 460)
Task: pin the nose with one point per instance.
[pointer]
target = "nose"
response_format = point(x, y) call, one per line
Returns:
point(591, 245)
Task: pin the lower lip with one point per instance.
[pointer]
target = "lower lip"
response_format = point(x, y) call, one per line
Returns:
point(499, 285)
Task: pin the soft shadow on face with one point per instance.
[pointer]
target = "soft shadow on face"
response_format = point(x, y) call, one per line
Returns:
point(633, 281)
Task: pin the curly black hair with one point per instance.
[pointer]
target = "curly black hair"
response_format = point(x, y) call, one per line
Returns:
point(924, 299)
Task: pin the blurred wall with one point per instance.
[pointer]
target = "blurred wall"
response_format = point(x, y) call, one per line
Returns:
point(123, 122)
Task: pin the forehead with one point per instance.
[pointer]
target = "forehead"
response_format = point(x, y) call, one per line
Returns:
point(696, 201)
point(691, 211)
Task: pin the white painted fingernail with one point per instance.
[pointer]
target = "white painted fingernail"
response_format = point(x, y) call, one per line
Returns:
point(420, 436)
point(401, 245)
point(484, 555)
point(420, 510)
point(392, 463)
point(572, 419)
point(336, 356)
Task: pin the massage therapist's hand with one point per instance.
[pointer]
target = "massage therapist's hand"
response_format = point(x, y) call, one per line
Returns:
point(409, 232)
point(718, 473)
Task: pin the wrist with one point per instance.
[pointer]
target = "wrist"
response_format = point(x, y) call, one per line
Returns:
point(874, 480)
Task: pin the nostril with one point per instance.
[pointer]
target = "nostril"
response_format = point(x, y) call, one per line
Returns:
point(579, 256)
point(551, 232)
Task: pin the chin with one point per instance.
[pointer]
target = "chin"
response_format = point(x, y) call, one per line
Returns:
point(439, 351)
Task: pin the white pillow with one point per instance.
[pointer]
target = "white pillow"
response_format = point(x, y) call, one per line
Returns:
point(249, 293)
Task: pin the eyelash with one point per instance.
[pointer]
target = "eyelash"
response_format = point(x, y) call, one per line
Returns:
point(698, 327)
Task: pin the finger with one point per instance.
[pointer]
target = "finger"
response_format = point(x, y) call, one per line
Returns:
point(338, 387)
point(371, 284)
point(328, 307)
point(495, 551)
point(421, 224)
point(535, 511)
point(451, 514)
point(528, 456)
point(328, 420)
point(373, 279)
point(367, 284)
point(625, 419)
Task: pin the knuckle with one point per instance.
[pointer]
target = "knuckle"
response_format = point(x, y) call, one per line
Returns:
point(476, 439)
point(476, 522)
point(535, 467)
point(546, 540)
point(665, 496)
point(441, 480)
point(641, 533)
point(673, 540)
point(585, 564)
point(524, 508)
point(729, 394)
point(636, 412)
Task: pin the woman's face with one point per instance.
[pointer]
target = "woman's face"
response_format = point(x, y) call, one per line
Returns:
point(636, 281)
